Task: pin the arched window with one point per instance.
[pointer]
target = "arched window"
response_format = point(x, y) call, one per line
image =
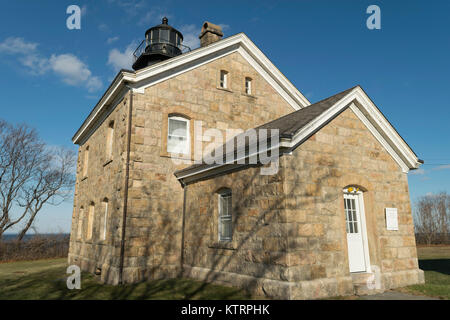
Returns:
point(104, 220)
point(90, 222)
point(178, 135)
point(225, 215)
point(109, 140)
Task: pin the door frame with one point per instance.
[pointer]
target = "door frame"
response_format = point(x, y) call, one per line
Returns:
point(363, 226)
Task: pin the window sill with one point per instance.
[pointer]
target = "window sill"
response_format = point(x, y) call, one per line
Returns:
point(107, 162)
point(222, 245)
point(176, 156)
point(224, 89)
point(249, 95)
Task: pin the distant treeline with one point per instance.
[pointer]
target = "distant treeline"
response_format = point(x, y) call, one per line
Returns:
point(432, 219)
point(438, 238)
point(13, 236)
point(34, 247)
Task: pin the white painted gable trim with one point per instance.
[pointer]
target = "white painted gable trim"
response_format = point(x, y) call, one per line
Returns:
point(367, 112)
point(152, 75)
point(375, 122)
point(380, 139)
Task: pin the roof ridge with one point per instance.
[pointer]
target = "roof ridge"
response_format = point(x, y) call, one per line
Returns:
point(327, 99)
point(289, 115)
point(283, 126)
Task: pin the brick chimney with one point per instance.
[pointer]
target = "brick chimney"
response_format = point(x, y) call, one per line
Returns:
point(210, 34)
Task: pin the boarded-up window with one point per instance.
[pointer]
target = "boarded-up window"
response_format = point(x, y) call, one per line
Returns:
point(86, 162)
point(109, 140)
point(104, 220)
point(80, 223)
point(90, 222)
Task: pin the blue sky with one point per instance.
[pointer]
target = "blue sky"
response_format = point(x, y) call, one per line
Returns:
point(52, 77)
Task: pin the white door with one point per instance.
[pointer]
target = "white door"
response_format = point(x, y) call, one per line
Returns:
point(355, 243)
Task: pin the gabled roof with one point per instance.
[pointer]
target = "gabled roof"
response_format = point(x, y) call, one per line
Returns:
point(298, 126)
point(137, 81)
point(291, 123)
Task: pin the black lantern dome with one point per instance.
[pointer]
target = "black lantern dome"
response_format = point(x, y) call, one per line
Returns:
point(161, 43)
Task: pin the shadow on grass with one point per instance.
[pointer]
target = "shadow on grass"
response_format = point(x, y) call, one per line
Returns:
point(51, 285)
point(438, 265)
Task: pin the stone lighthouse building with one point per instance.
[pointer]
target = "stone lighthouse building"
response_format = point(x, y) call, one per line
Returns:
point(332, 218)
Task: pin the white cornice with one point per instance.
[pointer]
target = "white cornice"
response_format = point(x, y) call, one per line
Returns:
point(152, 75)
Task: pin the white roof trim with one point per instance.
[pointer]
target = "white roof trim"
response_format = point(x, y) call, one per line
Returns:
point(152, 75)
point(367, 112)
point(377, 124)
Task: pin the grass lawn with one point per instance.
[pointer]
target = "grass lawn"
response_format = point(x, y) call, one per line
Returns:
point(46, 279)
point(435, 262)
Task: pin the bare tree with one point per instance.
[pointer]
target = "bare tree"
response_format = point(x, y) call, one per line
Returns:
point(31, 175)
point(432, 217)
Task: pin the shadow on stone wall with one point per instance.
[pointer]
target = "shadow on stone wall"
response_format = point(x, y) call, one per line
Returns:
point(275, 231)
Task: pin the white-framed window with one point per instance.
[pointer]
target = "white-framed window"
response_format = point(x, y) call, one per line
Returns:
point(80, 223)
point(223, 79)
point(225, 215)
point(248, 85)
point(109, 140)
point(178, 135)
point(104, 222)
point(351, 215)
point(90, 222)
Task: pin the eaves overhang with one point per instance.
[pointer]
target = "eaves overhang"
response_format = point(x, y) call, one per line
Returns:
point(143, 78)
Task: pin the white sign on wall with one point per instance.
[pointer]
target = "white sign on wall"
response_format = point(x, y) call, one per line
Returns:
point(391, 219)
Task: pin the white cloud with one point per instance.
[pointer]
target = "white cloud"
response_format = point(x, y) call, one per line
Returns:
point(153, 17)
point(74, 72)
point(36, 64)
point(112, 40)
point(191, 32)
point(103, 27)
point(190, 35)
point(131, 7)
point(93, 84)
point(67, 66)
point(442, 167)
point(13, 45)
point(122, 59)
point(418, 171)
point(224, 26)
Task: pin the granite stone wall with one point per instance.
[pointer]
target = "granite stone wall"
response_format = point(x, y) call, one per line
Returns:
point(289, 236)
point(102, 181)
point(155, 197)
